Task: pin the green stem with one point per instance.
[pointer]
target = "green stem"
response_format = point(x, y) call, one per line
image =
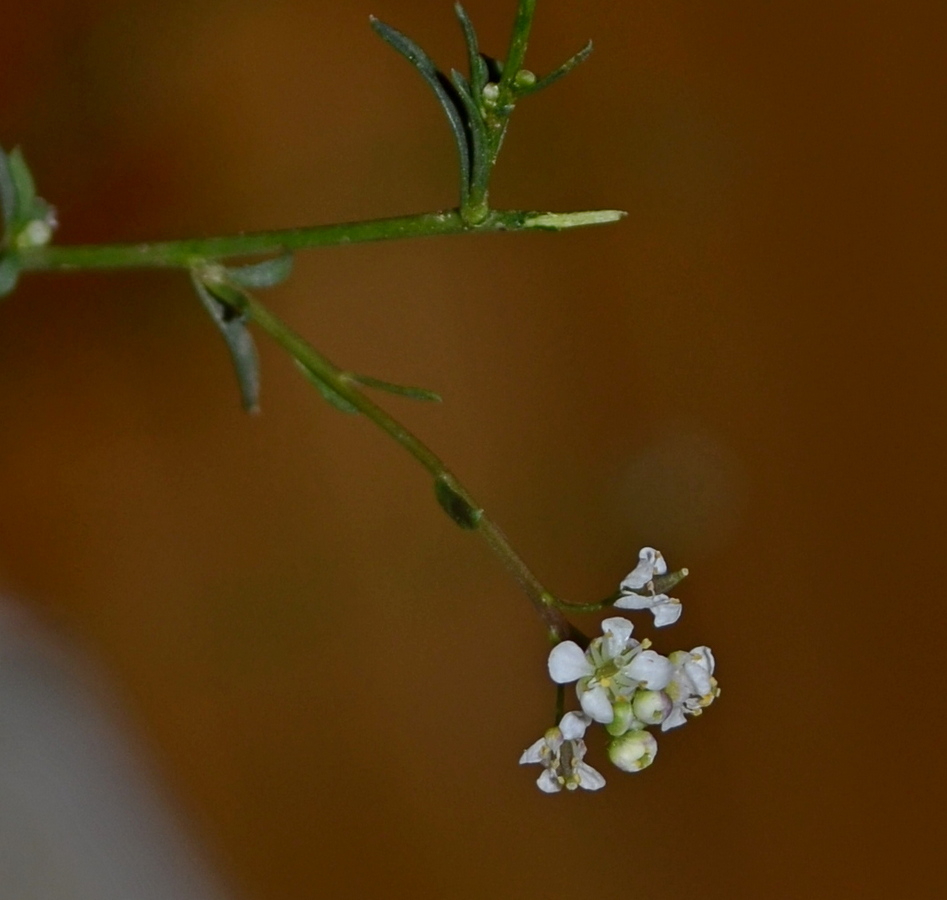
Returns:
point(557, 628)
point(188, 253)
point(567, 606)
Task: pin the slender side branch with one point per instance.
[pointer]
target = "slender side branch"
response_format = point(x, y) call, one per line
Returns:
point(474, 518)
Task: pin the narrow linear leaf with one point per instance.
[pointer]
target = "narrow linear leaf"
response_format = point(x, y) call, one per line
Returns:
point(542, 83)
point(264, 274)
point(7, 191)
point(24, 190)
point(459, 509)
point(329, 394)
point(9, 272)
point(479, 75)
point(232, 325)
point(425, 65)
point(480, 170)
point(414, 393)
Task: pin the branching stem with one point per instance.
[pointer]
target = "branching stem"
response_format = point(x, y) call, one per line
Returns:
point(557, 627)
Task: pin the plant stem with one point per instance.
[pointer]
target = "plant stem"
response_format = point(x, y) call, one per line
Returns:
point(557, 628)
point(189, 252)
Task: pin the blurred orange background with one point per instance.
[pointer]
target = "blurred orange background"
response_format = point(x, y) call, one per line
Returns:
point(333, 681)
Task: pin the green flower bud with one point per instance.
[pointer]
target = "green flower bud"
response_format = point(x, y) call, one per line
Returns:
point(652, 707)
point(624, 719)
point(491, 92)
point(633, 751)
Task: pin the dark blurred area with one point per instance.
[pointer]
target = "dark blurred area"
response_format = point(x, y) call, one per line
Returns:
point(333, 683)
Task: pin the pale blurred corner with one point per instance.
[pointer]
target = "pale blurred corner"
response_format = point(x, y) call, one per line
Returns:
point(81, 815)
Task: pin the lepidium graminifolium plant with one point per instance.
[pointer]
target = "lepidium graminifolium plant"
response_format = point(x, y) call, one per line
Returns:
point(620, 683)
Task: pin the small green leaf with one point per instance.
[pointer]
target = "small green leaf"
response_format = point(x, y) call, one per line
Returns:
point(479, 74)
point(564, 69)
point(329, 394)
point(28, 220)
point(264, 274)
point(232, 324)
point(24, 189)
point(438, 83)
point(456, 506)
point(7, 191)
point(414, 393)
point(9, 272)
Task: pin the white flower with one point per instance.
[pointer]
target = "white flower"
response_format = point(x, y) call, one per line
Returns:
point(666, 610)
point(561, 752)
point(612, 669)
point(692, 686)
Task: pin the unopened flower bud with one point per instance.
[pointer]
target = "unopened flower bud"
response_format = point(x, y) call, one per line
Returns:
point(37, 232)
point(624, 719)
point(633, 751)
point(651, 707)
point(491, 92)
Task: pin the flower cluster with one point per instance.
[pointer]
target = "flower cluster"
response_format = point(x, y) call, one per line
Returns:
point(624, 686)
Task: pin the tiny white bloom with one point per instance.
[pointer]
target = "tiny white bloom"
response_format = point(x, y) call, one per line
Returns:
point(561, 752)
point(612, 669)
point(666, 610)
point(692, 686)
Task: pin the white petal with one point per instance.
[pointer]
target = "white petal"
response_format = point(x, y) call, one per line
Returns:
point(589, 778)
point(567, 663)
point(573, 725)
point(651, 669)
point(699, 677)
point(707, 654)
point(633, 601)
point(638, 577)
point(674, 720)
point(660, 566)
point(617, 632)
point(650, 563)
point(666, 611)
point(548, 782)
point(595, 703)
point(533, 753)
